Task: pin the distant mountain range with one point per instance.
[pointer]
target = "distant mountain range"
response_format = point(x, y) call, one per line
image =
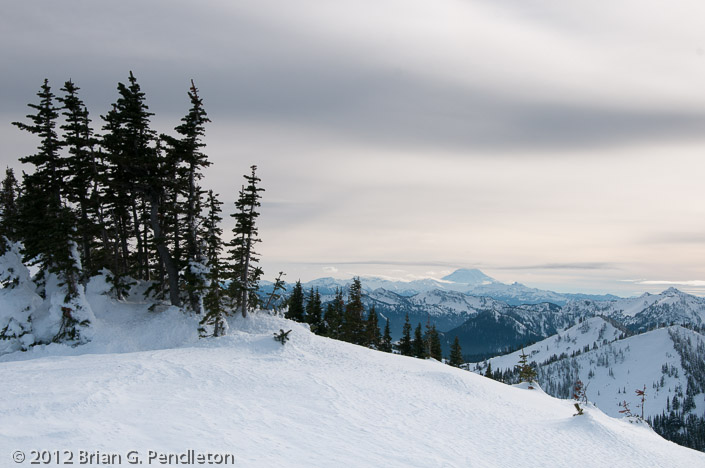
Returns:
point(490, 317)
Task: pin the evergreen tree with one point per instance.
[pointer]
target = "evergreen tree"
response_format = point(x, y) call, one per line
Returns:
point(46, 225)
point(436, 351)
point(386, 343)
point(79, 178)
point(296, 304)
point(186, 155)
point(526, 372)
point(353, 330)
point(456, 354)
point(418, 345)
point(279, 285)
point(488, 371)
point(8, 209)
point(405, 347)
point(334, 315)
point(243, 271)
point(135, 185)
point(373, 338)
point(213, 300)
point(314, 311)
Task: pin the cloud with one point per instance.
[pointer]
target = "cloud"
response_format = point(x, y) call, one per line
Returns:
point(562, 266)
point(330, 269)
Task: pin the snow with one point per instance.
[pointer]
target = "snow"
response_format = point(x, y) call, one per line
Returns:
point(614, 370)
point(146, 382)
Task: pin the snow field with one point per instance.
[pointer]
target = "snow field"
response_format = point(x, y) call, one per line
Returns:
point(313, 402)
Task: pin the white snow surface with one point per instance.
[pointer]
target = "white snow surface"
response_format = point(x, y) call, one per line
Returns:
point(146, 382)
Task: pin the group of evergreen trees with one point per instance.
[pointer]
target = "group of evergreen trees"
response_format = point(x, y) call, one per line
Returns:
point(128, 202)
point(348, 321)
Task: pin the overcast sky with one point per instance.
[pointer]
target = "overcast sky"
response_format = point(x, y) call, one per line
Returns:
point(558, 144)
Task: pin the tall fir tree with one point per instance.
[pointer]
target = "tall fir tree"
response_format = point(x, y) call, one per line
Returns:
point(9, 192)
point(456, 354)
point(372, 333)
point(186, 155)
point(46, 224)
point(386, 343)
point(334, 315)
point(435, 349)
point(295, 311)
point(80, 175)
point(243, 270)
point(353, 324)
point(314, 311)
point(418, 345)
point(405, 347)
point(213, 300)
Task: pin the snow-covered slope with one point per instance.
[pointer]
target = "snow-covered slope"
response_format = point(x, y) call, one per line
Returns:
point(313, 402)
point(594, 331)
point(614, 368)
point(647, 311)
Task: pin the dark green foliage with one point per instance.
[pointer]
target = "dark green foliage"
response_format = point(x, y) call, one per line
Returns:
point(282, 337)
point(386, 343)
point(80, 178)
point(434, 344)
point(186, 157)
point(296, 304)
point(405, 347)
point(314, 311)
point(353, 329)
point(373, 339)
point(334, 315)
point(488, 371)
point(526, 372)
point(45, 224)
point(213, 300)
point(418, 345)
point(456, 354)
point(243, 272)
point(8, 209)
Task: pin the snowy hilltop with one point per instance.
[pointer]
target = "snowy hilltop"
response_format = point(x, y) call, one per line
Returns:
point(147, 386)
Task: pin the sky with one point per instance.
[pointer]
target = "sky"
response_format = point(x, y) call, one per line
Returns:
point(557, 144)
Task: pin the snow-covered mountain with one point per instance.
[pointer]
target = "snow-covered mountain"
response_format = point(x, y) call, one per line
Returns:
point(471, 282)
point(146, 387)
point(670, 362)
point(647, 311)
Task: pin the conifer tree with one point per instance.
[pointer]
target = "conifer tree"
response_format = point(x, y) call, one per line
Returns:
point(488, 371)
point(296, 304)
point(79, 178)
point(186, 155)
point(418, 344)
point(353, 324)
point(372, 334)
point(213, 300)
point(436, 351)
point(386, 343)
point(334, 315)
point(243, 270)
point(314, 311)
point(405, 347)
point(46, 224)
point(526, 372)
point(136, 183)
point(279, 285)
point(8, 209)
point(456, 354)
